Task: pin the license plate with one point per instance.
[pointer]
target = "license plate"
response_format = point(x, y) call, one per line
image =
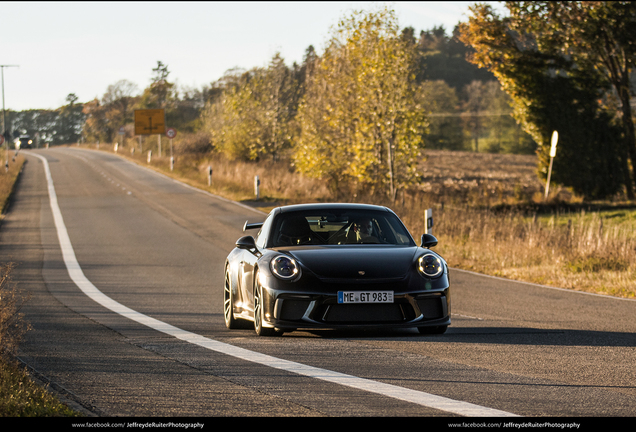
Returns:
point(365, 296)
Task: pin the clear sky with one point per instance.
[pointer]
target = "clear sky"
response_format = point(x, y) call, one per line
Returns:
point(83, 47)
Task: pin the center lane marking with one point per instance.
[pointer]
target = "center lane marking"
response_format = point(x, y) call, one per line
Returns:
point(389, 390)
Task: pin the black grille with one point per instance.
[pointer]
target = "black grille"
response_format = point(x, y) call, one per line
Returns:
point(431, 308)
point(367, 313)
point(293, 309)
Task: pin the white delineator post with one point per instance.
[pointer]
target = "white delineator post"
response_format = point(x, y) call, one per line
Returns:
point(428, 217)
point(553, 145)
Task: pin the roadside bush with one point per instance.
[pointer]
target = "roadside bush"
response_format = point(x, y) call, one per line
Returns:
point(195, 143)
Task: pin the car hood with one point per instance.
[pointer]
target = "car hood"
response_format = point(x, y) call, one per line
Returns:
point(357, 261)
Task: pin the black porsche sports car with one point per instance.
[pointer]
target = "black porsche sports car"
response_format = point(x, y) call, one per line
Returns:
point(335, 266)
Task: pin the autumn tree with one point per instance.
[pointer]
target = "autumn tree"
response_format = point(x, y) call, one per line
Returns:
point(213, 117)
point(551, 90)
point(598, 35)
point(358, 119)
point(121, 97)
point(252, 117)
point(96, 127)
point(189, 103)
point(115, 109)
point(235, 119)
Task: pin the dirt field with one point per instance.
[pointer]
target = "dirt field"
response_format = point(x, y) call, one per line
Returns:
point(480, 175)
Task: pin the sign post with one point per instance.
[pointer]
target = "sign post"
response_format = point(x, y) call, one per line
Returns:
point(553, 146)
point(150, 122)
point(171, 133)
point(121, 133)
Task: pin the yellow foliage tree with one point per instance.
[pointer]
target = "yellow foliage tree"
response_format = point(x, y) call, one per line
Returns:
point(358, 120)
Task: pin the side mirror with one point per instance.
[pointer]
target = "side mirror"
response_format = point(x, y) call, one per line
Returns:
point(246, 242)
point(428, 241)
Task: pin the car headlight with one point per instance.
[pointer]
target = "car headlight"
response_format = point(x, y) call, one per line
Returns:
point(430, 265)
point(285, 267)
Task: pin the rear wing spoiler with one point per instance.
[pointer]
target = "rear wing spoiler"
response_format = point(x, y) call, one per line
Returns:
point(248, 225)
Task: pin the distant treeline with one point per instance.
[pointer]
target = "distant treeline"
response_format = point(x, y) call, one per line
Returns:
point(468, 111)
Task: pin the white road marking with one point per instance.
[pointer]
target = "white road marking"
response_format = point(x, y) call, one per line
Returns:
point(389, 390)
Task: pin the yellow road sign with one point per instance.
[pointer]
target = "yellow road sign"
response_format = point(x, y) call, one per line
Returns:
point(150, 122)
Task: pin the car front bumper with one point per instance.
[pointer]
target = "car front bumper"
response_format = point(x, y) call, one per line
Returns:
point(294, 310)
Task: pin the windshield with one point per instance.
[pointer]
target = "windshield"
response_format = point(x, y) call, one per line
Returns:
point(339, 228)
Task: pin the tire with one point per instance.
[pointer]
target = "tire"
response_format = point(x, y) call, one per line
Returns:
point(432, 330)
point(228, 303)
point(258, 312)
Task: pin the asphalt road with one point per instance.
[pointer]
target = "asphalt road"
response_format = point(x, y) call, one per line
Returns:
point(150, 340)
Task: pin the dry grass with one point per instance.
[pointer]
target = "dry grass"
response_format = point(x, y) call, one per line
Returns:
point(592, 251)
point(8, 179)
point(12, 326)
point(233, 179)
point(582, 255)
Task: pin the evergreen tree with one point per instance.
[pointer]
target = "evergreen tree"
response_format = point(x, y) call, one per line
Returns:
point(68, 127)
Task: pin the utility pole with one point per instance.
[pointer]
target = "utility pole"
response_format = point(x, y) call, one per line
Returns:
point(4, 122)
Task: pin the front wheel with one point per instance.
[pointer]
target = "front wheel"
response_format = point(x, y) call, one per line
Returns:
point(259, 310)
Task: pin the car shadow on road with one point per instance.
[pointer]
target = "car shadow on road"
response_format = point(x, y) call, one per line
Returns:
point(488, 335)
point(535, 336)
